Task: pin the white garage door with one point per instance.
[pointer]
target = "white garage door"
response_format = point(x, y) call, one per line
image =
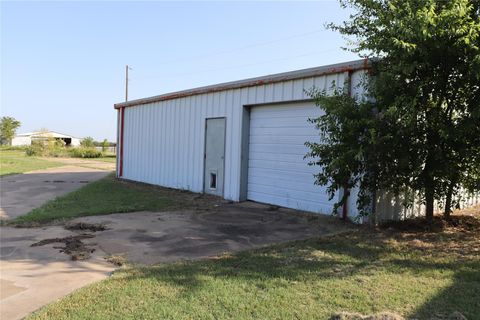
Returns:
point(277, 172)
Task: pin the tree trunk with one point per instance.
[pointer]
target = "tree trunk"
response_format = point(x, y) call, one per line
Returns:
point(429, 206)
point(429, 189)
point(346, 194)
point(429, 199)
point(448, 201)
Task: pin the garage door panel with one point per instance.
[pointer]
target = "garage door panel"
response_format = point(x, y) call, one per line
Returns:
point(284, 191)
point(279, 111)
point(304, 186)
point(282, 166)
point(283, 139)
point(279, 149)
point(271, 173)
point(287, 131)
point(278, 157)
point(292, 203)
point(281, 122)
point(277, 171)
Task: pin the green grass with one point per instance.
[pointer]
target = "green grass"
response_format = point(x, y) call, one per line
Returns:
point(107, 158)
point(415, 275)
point(13, 161)
point(104, 196)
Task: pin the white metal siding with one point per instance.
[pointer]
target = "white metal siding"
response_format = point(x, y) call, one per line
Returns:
point(277, 171)
point(164, 141)
point(21, 141)
point(75, 142)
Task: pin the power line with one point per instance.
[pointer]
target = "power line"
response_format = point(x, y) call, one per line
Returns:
point(248, 46)
point(240, 66)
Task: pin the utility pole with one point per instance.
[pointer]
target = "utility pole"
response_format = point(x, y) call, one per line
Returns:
point(126, 81)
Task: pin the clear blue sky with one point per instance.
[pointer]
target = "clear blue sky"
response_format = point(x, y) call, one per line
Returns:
point(63, 63)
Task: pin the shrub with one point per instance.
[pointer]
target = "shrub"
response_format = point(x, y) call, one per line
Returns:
point(85, 153)
point(32, 151)
point(47, 148)
point(36, 149)
point(88, 142)
point(57, 152)
point(54, 148)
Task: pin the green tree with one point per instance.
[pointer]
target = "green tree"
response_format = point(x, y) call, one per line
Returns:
point(8, 128)
point(105, 145)
point(423, 131)
point(345, 152)
point(87, 142)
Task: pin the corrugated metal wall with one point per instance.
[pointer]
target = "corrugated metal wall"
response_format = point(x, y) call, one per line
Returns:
point(164, 141)
point(390, 207)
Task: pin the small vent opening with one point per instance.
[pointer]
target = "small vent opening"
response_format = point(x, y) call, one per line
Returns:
point(213, 180)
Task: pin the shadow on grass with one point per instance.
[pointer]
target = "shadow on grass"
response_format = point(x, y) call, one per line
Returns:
point(341, 257)
point(462, 296)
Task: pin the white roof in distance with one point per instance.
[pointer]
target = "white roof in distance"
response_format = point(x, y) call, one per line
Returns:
point(53, 134)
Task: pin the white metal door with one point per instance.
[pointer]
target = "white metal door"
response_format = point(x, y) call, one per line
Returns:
point(277, 171)
point(214, 155)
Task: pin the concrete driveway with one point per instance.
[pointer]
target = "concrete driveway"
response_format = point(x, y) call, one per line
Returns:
point(34, 276)
point(21, 193)
point(31, 277)
point(163, 237)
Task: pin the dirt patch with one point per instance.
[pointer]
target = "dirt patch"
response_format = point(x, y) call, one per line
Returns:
point(74, 247)
point(458, 222)
point(459, 237)
point(83, 226)
point(24, 224)
point(180, 199)
point(116, 259)
point(357, 316)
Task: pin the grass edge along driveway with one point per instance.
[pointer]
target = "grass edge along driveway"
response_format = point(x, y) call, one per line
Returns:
point(417, 275)
point(107, 195)
point(14, 161)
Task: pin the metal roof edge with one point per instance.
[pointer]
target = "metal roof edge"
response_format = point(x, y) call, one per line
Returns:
point(33, 133)
point(354, 65)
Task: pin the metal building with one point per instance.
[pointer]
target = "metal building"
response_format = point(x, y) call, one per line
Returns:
point(238, 140)
point(26, 139)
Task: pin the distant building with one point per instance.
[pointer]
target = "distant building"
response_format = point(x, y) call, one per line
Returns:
point(26, 139)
